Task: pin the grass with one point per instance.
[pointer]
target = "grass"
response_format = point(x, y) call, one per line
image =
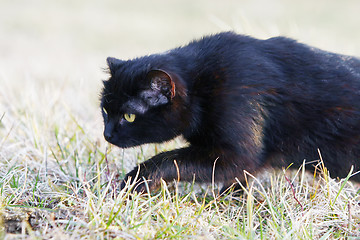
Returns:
point(57, 181)
point(58, 176)
point(75, 197)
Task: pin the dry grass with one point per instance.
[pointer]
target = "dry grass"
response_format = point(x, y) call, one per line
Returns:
point(56, 171)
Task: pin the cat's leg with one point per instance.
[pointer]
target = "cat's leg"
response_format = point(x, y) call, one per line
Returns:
point(187, 164)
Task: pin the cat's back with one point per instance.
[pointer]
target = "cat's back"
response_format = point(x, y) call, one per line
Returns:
point(279, 78)
point(292, 55)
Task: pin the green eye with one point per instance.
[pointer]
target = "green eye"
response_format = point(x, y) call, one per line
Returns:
point(129, 117)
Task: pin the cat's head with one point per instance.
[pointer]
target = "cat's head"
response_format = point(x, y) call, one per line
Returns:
point(141, 103)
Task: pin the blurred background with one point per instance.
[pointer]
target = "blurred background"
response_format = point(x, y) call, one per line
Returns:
point(52, 63)
point(52, 53)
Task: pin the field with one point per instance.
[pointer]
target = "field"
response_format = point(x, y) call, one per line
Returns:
point(58, 176)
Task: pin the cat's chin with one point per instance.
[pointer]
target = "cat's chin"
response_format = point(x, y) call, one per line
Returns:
point(131, 144)
point(125, 144)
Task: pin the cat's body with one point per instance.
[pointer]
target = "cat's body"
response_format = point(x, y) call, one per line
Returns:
point(242, 102)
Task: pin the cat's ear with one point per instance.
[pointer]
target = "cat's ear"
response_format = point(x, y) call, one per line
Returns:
point(113, 64)
point(163, 82)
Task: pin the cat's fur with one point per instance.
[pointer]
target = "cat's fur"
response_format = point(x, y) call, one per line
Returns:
point(244, 102)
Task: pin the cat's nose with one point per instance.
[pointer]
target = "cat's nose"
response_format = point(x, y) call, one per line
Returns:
point(108, 132)
point(108, 135)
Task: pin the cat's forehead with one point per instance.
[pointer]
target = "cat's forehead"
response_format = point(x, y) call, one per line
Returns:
point(130, 88)
point(124, 83)
point(130, 76)
point(123, 93)
point(116, 93)
point(121, 104)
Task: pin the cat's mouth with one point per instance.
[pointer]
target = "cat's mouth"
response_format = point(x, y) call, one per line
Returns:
point(122, 144)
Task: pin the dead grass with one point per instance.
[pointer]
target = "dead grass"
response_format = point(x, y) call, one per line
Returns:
point(57, 174)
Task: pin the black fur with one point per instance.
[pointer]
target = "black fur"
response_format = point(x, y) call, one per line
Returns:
point(244, 102)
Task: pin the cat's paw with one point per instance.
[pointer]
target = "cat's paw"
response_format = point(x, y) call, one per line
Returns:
point(136, 185)
point(234, 189)
point(138, 181)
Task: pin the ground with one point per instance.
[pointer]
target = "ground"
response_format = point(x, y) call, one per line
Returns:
point(58, 176)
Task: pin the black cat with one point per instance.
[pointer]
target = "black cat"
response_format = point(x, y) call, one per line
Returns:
point(242, 102)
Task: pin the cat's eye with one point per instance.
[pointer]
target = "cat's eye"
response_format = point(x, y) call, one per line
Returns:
point(129, 117)
point(104, 110)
